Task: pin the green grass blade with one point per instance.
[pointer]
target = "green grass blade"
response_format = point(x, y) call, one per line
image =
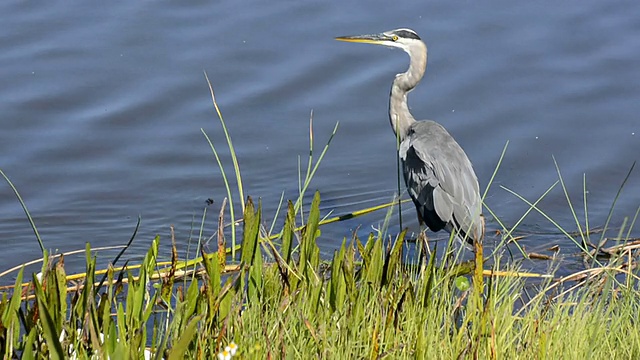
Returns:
point(10, 312)
point(236, 167)
point(586, 211)
point(337, 285)
point(228, 189)
point(26, 211)
point(310, 160)
point(560, 228)
point(573, 212)
point(51, 334)
point(375, 266)
point(275, 216)
point(255, 286)
point(615, 199)
point(393, 259)
point(633, 222)
point(250, 243)
point(307, 179)
point(495, 170)
point(180, 347)
point(509, 233)
point(428, 284)
point(309, 234)
point(287, 233)
point(212, 268)
point(28, 353)
point(10, 321)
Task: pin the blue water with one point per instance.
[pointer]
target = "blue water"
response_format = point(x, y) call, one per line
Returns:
point(102, 106)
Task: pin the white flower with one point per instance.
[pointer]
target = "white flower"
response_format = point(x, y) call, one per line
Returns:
point(224, 355)
point(232, 348)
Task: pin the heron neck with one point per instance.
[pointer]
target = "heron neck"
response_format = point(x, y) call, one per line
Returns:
point(399, 114)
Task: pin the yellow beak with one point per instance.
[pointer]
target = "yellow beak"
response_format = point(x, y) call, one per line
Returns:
point(366, 39)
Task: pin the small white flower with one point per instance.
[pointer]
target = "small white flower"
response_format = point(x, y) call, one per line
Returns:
point(224, 355)
point(232, 348)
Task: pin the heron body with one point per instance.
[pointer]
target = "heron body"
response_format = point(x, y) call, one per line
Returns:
point(439, 176)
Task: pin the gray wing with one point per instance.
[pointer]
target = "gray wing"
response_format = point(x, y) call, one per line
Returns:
point(441, 181)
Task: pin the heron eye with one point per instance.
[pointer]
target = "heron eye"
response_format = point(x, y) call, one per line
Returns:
point(394, 38)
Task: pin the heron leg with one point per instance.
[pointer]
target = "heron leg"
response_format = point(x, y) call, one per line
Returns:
point(420, 219)
point(423, 240)
point(422, 236)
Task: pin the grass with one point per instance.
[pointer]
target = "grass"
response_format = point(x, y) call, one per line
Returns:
point(367, 301)
point(277, 298)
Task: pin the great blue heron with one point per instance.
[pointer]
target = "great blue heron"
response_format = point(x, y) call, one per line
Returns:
point(437, 172)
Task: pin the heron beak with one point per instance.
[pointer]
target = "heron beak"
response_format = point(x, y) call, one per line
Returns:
point(366, 39)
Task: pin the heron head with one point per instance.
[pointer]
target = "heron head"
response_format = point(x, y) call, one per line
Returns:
point(398, 38)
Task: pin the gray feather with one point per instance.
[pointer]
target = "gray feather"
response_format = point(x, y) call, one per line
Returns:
point(440, 180)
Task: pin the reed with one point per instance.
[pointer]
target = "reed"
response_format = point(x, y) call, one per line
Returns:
point(368, 301)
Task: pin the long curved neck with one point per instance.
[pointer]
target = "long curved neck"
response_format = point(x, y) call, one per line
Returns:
point(399, 114)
